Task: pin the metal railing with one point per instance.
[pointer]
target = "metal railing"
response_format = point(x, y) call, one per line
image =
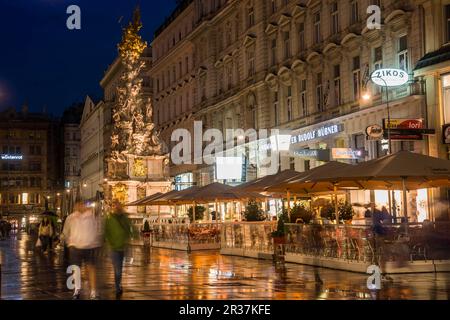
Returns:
point(252, 236)
point(361, 243)
point(198, 233)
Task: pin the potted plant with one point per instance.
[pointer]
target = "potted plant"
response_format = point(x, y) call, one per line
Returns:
point(199, 213)
point(345, 210)
point(279, 234)
point(253, 212)
point(300, 214)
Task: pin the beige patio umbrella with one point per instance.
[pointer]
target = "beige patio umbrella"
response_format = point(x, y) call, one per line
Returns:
point(143, 201)
point(400, 171)
point(302, 183)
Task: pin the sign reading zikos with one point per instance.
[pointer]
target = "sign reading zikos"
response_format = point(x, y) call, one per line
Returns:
point(389, 77)
point(317, 133)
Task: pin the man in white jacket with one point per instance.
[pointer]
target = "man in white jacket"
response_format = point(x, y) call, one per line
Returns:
point(83, 235)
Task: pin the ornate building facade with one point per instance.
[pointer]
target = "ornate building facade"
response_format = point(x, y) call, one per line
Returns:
point(301, 66)
point(31, 175)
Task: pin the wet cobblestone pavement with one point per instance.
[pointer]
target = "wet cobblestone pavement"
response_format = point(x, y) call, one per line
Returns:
point(175, 275)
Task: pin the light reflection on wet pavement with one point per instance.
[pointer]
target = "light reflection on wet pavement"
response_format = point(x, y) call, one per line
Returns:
point(177, 275)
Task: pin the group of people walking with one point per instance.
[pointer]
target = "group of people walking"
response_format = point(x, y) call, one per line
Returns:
point(83, 237)
point(5, 229)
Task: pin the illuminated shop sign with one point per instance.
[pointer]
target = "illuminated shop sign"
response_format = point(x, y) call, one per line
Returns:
point(229, 168)
point(347, 154)
point(318, 133)
point(408, 124)
point(389, 77)
point(374, 132)
point(11, 157)
point(313, 154)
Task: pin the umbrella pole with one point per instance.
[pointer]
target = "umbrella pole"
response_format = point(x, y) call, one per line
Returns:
point(336, 209)
point(159, 213)
point(405, 205)
point(193, 213)
point(217, 212)
point(288, 196)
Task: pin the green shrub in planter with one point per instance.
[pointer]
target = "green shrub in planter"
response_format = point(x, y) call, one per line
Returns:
point(146, 226)
point(345, 210)
point(253, 212)
point(199, 213)
point(300, 212)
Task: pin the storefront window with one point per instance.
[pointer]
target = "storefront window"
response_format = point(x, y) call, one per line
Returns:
point(446, 97)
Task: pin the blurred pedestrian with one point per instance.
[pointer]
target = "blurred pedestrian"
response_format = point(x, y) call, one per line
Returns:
point(118, 232)
point(45, 233)
point(386, 216)
point(83, 235)
point(2, 230)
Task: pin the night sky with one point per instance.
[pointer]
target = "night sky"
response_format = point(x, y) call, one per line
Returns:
point(46, 64)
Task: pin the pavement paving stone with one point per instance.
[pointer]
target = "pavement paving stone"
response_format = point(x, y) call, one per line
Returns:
point(158, 274)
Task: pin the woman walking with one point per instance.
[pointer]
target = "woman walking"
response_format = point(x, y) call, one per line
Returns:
point(45, 233)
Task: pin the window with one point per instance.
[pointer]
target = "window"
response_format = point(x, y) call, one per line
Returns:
point(403, 53)
point(275, 109)
point(317, 36)
point(301, 37)
point(303, 102)
point(447, 22)
point(354, 14)
point(377, 64)
point(287, 45)
point(356, 78)
point(319, 92)
point(273, 6)
point(186, 64)
point(334, 18)
point(337, 85)
point(273, 51)
point(446, 97)
point(292, 163)
point(289, 103)
point(307, 165)
point(229, 76)
point(251, 62)
point(251, 16)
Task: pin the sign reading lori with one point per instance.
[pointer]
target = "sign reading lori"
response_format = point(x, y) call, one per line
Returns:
point(389, 77)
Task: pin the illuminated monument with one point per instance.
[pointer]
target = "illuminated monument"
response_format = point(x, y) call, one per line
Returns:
point(137, 165)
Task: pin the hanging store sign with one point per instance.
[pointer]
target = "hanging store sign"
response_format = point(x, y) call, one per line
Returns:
point(318, 133)
point(407, 124)
point(389, 77)
point(347, 154)
point(374, 132)
point(11, 157)
point(406, 129)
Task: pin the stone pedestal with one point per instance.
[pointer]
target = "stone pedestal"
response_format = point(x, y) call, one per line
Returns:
point(139, 177)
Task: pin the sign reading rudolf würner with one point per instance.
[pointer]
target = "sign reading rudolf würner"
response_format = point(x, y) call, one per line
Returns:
point(317, 133)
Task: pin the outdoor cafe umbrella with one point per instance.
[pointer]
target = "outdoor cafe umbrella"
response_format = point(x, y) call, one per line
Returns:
point(143, 201)
point(262, 184)
point(400, 171)
point(302, 183)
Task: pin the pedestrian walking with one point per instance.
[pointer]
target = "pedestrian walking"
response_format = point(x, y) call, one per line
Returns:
point(118, 232)
point(83, 235)
point(45, 233)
